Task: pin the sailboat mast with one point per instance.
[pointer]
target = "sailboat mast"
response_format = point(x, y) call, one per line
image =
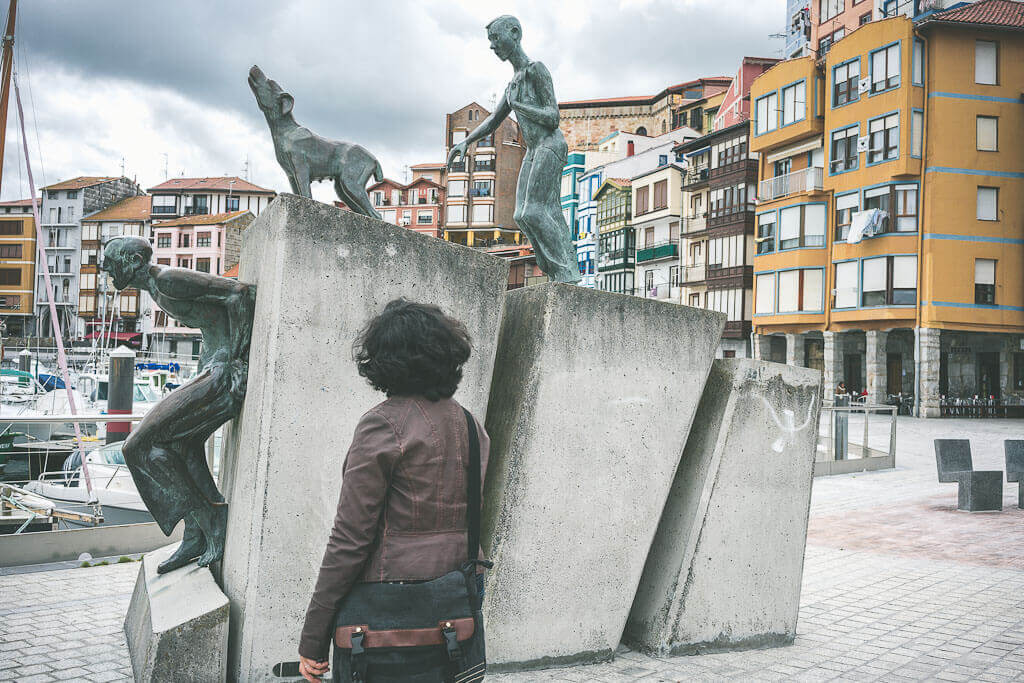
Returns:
point(6, 64)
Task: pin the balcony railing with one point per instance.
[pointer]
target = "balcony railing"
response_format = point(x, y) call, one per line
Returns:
point(656, 251)
point(695, 222)
point(695, 272)
point(806, 180)
point(695, 176)
point(458, 167)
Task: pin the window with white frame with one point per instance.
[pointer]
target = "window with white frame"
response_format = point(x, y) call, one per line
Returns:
point(986, 62)
point(566, 184)
point(885, 138)
point(483, 214)
point(885, 68)
point(726, 252)
point(889, 281)
point(827, 9)
point(844, 150)
point(456, 213)
point(766, 233)
point(424, 217)
point(988, 133)
point(457, 188)
point(846, 285)
point(918, 64)
point(984, 281)
point(988, 203)
point(389, 216)
point(794, 103)
point(845, 78)
point(765, 301)
point(903, 283)
point(800, 290)
point(727, 301)
point(767, 113)
point(916, 133)
point(846, 206)
point(873, 281)
point(802, 226)
point(90, 231)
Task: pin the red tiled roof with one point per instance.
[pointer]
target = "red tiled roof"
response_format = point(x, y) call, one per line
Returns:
point(232, 272)
point(1006, 13)
point(218, 183)
point(607, 100)
point(131, 209)
point(625, 182)
point(20, 202)
point(79, 183)
point(207, 219)
point(437, 165)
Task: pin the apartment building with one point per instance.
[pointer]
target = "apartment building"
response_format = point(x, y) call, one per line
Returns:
point(101, 307)
point(585, 123)
point(480, 191)
point(798, 28)
point(734, 107)
point(616, 262)
point(416, 206)
point(209, 243)
point(718, 231)
point(655, 217)
point(63, 206)
point(890, 231)
point(179, 197)
point(17, 267)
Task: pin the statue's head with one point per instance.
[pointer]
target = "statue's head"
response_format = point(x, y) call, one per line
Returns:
point(273, 101)
point(505, 34)
point(126, 259)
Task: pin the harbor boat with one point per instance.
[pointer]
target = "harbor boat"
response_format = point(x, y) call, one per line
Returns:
point(113, 488)
point(23, 511)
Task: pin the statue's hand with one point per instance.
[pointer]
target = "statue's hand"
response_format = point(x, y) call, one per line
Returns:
point(458, 151)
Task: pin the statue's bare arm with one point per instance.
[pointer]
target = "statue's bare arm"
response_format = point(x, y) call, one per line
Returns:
point(233, 296)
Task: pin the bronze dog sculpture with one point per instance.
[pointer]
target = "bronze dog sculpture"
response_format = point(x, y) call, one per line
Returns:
point(305, 156)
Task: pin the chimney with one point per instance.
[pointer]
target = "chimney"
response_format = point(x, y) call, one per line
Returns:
point(629, 148)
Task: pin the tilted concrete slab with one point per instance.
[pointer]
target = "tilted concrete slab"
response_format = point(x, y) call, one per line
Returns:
point(177, 624)
point(321, 274)
point(591, 403)
point(726, 566)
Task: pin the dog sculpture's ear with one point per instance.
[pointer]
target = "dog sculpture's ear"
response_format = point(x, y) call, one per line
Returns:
point(285, 102)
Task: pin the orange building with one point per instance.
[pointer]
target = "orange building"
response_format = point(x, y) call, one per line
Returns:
point(17, 266)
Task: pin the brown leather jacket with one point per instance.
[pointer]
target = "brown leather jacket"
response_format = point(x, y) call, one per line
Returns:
point(402, 511)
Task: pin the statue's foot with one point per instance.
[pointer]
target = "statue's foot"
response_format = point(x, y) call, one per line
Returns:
point(190, 548)
point(215, 536)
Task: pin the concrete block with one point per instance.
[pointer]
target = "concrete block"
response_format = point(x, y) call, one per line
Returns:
point(725, 568)
point(591, 403)
point(980, 491)
point(177, 624)
point(321, 274)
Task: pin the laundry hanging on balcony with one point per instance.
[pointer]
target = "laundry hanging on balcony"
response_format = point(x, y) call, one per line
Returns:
point(866, 224)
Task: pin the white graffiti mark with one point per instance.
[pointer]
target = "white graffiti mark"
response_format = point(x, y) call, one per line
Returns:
point(788, 427)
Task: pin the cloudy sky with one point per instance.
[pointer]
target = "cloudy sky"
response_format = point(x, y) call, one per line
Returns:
point(155, 84)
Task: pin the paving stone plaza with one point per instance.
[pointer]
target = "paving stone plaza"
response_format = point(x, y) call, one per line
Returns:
point(898, 585)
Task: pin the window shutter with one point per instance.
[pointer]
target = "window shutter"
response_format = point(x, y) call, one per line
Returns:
point(988, 133)
point(874, 274)
point(812, 299)
point(904, 272)
point(765, 302)
point(987, 203)
point(985, 53)
point(789, 291)
point(789, 227)
point(848, 201)
point(814, 224)
point(984, 271)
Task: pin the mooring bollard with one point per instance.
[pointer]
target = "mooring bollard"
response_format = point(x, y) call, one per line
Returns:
point(120, 387)
point(25, 360)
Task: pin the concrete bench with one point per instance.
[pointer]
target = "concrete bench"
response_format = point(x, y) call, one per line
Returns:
point(1015, 466)
point(977, 491)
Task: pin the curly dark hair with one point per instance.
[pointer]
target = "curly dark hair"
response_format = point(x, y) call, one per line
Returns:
point(413, 349)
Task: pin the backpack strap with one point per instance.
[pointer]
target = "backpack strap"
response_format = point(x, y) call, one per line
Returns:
point(473, 489)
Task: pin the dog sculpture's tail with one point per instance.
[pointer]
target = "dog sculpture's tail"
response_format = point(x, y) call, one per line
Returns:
point(378, 174)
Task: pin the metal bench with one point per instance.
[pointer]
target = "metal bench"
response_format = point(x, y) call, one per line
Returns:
point(977, 491)
point(1015, 466)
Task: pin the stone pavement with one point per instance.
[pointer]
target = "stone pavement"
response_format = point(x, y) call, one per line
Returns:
point(898, 585)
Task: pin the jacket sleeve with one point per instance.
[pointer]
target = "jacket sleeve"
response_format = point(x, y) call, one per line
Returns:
point(367, 475)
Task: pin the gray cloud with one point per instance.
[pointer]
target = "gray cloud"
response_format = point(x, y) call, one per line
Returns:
point(380, 73)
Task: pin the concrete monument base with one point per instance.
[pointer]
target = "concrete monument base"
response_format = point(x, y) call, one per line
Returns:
point(725, 568)
point(591, 404)
point(177, 624)
point(321, 274)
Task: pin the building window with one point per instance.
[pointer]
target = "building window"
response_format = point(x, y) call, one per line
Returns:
point(486, 141)
point(457, 188)
point(203, 239)
point(163, 241)
point(424, 217)
point(765, 301)
point(829, 9)
point(918, 64)
point(800, 290)
point(731, 152)
point(203, 265)
point(783, 167)
point(164, 204)
point(184, 263)
point(985, 281)
point(53, 194)
point(794, 103)
point(11, 227)
point(184, 240)
point(864, 19)
point(641, 199)
point(802, 226)
point(483, 162)
point(916, 133)
point(845, 78)
point(482, 188)
point(988, 133)
point(12, 251)
point(986, 62)
point(660, 195)
point(846, 206)
point(825, 44)
point(885, 68)
point(884, 139)
point(988, 203)
point(905, 197)
point(483, 214)
point(844, 150)
point(231, 203)
point(389, 216)
point(72, 194)
point(730, 200)
point(10, 276)
point(767, 112)
point(889, 281)
point(846, 285)
point(378, 198)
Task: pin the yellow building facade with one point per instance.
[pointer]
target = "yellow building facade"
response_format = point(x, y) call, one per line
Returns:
point(17, 267)
point(890, 216)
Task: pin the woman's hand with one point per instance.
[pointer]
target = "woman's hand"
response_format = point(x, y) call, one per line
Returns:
point(311, 670)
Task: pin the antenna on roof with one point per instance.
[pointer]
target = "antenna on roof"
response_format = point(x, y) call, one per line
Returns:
point(245, 168)
point(780, 36)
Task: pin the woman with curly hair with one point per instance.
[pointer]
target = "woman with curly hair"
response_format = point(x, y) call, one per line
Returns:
point(402, 514)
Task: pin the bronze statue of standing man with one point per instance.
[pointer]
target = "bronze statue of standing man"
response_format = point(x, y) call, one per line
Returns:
point(531, 95)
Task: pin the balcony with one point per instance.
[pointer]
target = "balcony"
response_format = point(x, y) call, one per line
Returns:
point(695, 176)
point(660, 250)
point(806, 180)
point(696, 272)
point(483, 166)
point(696, 222)
point(479, 192)
point(458, 167)
point(197, 210)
